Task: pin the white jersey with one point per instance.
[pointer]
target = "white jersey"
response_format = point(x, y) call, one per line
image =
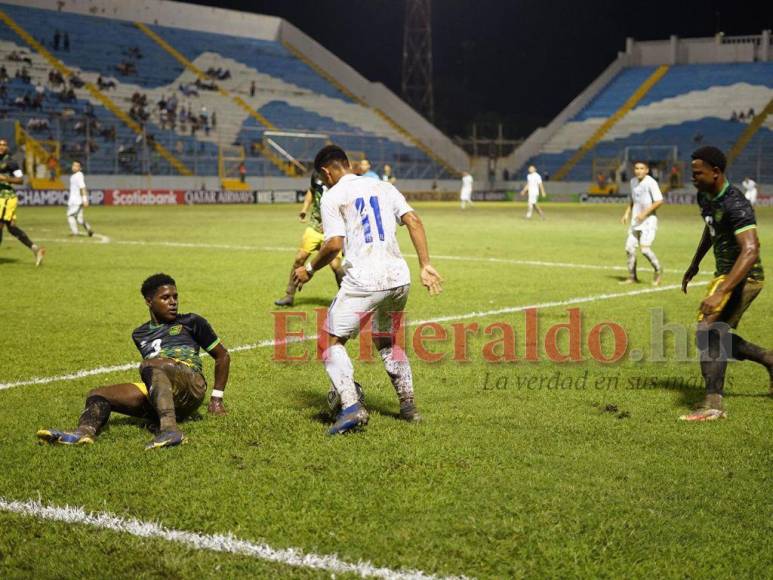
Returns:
point(644, 194)
point(533, 181)
point(466, 191)
point(751, 190)
point(77, 182)
point(366, 213)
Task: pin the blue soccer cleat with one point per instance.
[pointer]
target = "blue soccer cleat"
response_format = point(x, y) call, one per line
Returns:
point(64, 438)
point(167, 439)
point(350, 418)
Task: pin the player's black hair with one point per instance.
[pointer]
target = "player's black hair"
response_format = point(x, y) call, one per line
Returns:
point(330, 154)
point(711, 155)
point(642, 161)
point(154, 282)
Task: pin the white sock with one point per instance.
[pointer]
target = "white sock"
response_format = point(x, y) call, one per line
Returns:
point(650, 255)
point(73, 225)
point(399, 370)
point(341, 372)
point(632, 264)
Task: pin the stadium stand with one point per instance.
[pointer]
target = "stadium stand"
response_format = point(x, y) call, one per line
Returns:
point(130, 98)
point(672, 106)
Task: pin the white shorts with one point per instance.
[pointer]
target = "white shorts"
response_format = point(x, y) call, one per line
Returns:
point(533, 198)
point(350, 306)
point(74, 210)
point(640, 237)
point(465, 196)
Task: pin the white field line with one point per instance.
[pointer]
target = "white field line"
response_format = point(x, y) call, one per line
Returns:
point(199, 541)
point(197, 245)
point(271, 342)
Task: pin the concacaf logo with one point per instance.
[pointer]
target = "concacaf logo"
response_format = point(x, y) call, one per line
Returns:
point(175, 330)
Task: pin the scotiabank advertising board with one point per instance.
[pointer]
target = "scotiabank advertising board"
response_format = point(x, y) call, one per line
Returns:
point(144, 197)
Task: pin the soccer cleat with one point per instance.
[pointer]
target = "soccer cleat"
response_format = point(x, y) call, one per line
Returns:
point(704, 415)
point(408, 411)
point(350, 418)
point(64, 438)
point(167, 439)
point(39, 255)
point(286, 301)
point(334, 401)
point(91, 233)
point(658, 278)
point(630, 281)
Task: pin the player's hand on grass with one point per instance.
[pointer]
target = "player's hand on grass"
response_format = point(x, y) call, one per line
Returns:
point(688, 275)
point(431, 280)
point(300, 277)
point(216, 406)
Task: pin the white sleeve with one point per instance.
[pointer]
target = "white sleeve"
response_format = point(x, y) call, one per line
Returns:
point(332, 221)
point(655, 191)
point(538, 180)
point(400, 205)
point(18, 173)
point(81, 182)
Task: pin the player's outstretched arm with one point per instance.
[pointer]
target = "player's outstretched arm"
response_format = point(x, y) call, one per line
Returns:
point(327, 253)
point(626, 215)
point(222, 368)
point(700, 252)
point(430, 278)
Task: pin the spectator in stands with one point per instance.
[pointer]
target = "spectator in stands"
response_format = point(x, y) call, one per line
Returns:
point(56, 40)
point(53, 164)
point(104, 84)
point(734, 116)
point(66, 42)
point(252, 89)
point(356, 167)
point(3, 74)
point(242, 172)
point(366, 169)
point(742, 117)
point(171, 104)
point(214, 120)
point(750, 115)
point(188, 90)
point(24, 75)
point(76, 82)
point(387, 175)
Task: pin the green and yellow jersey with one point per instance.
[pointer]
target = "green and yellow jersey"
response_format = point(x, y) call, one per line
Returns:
point(180, 340)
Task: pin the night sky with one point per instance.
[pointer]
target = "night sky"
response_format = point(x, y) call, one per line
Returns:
point(518, 62)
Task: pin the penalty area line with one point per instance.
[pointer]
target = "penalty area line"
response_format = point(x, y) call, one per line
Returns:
point(75, 375)
point(225, 543)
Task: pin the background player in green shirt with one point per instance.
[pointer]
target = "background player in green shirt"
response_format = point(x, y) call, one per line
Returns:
point(172, 386)
point(731, 229)
point(312, 240)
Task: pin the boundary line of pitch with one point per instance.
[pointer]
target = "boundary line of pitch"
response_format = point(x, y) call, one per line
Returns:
point(225, 543)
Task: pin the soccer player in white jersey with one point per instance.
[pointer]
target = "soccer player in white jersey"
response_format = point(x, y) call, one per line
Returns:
point(465, 194)
point(79, 198)
point(535, 188)
point(750, 190)
point(361, 216)
point(645, 200)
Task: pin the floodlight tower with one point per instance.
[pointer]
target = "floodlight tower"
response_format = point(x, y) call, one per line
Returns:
point(417, 57)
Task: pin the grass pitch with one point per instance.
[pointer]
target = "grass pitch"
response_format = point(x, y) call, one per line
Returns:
point(519, 469)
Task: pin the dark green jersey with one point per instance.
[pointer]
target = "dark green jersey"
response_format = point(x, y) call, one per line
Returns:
point(180, 340)
point(317, 188)
point(9, 168)
point(727, 215)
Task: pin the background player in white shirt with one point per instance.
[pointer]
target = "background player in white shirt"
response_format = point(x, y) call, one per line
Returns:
point(535, 189)
point(465, 194)
point(646, 198)
point(361, 216)
point(79, 198)
point(750, 190)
